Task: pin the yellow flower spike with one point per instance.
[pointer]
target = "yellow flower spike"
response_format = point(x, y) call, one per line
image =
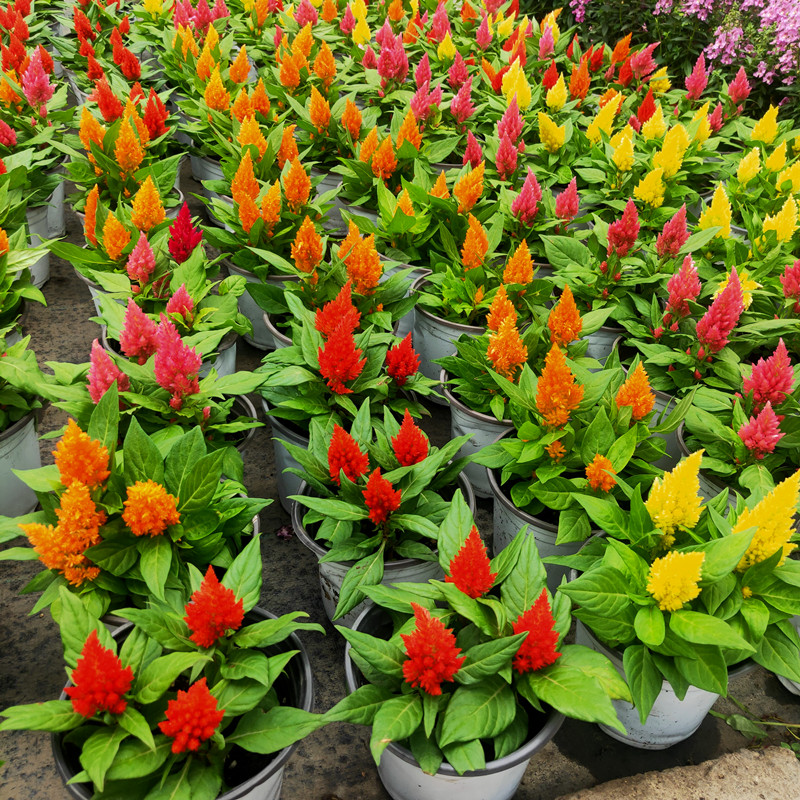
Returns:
point(506, 27)
point(212, 38)
point(655, 127)
point(672, 151)
point(623, 154)
point(153, 7)
point(673, 579)
point(557, 95)
point(361, 33)
point(777, 160)
point(774, 519)
point(784, 223)
point(650, 189)
point(791, 177)
point(550, 134)
point(749, 166)
point(704, 129)
point(604, 120)
point(359, 9)
point(718, 213)
point(748, 287)
point(674, 500)
point(796, 145)
point(766, 129)
point(147, 209)
point(404, 204)
point(446, 50)
point(660, 83)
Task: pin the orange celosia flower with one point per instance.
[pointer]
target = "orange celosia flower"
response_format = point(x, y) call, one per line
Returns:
point(244, 182)
point(150, 509)
point(557, 394)
point(369, 146)
point(242, 107)
point(556, 450)
point(597, 473)
point(411, 33)
point(469, 189)
point(409, 131)
point(3, 243)
point(240, 68)
point(621, 49)
point(636, 393)
point(250, 133)
point(188, 43)
point(288, 150)
point(289, 74)
point(7, 94)
point(90, 219)
point(506, 350)
point(216, 96)
point(205, 64)
point(325, 66)
point(262, 9)
point(383, 162)
point(440, 187)
point(404, 203)
point(564, 321)
point(351, 120)
point(271, 206)
point(579, 81)
point(607, 97)
point(329, 11)
point(132, 113)
point(519, 268)
point(307, 247)
point(90, 131)
point(489, 70)
point(476, 245)
point(259, 99)
point(248, 212)
point(468, 12)
point(115, 237)
point(80, 458)
point(319, 111)
point(500, 309)
point(296, 186)
point(396, 12)
point(303, 42)
point(127, 150)
point(349, 241)
point(147, 207)
point(364, 265)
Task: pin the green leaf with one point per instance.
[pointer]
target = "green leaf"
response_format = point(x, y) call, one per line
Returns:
point(707, 670)
point(142, 459)
point(644, 679)
point(465, 756)
point(359, 707)
point(479, 711)
point(337, 509)
point(605, 514)
point(699, 628)
point(395, 721)
point(238, 696)
point(366, 572)
point(723, 554)
point(104, 422)
point(777, 653)
point(54, 715)
point(272, 631)
point(99, 751)
point(522, 588)
point(243, 576)
point(155, 563)
point(487, 659)
point(181, 459)
point(649, 626)
point(135, 759)
point(160, 674)
point(260, 732)
point(454, 530)
point(386, 657)
point(200, 485)
point(134, 723)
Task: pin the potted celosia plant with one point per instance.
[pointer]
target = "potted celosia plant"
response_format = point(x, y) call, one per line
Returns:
point(370, 504)
point(112, 552)
point(480, 656)
point(694, 594)
point(16, 259)
point(184, 696)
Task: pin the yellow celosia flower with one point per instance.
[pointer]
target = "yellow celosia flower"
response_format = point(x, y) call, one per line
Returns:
point(655, 127)
point(796, 145)
point(650, 189)
point(446, 50)
point(604, 120)
point(623, 154)
point(790, 175)
point(212, 37)
point(515, 83)
point(774, 519)
point(550, 134)
point(717, 214)
point(359, 9)
point(506, 27)
point(749, 166)
point(777, 160)
point(361, 33)
point(660, 83)
point(674, 500)
point(766, 129)
point(704, 129)
point(670, 158)
point(784, 223)
point(557, 95)
point(550, 20)
point(673, 579)
point(748, 286)
point(153, 7)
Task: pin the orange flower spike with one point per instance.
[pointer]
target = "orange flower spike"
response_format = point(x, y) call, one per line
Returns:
point(259, 100)
point(469, 189)
point(319, 111)
point(288, 150)
point(325, 66)
point(7, 94)
point(90, 131)
point(579, 82)
point(303, 42)
point(519, 268)
point(500, 309)
point(188, 44)
point(240, 68)
point(289, 74)
point(395, 12)
point(557, 394)
point(506, 350)
point(262, 10)
point(349, 241)
point(565, 321)
point(476, 245)
point(383, 162)
point(556, 451)
point(597, 473)
point(150, 509)
point(244, 182)
point(248, 212)
point(307, 247)
point(621, 49)
point(351, 120)
point(409, 131)
point(329, 11)
point(216, 96)
point(411, 33)
point(132, 113)
point(368, 146)
point(205, 64)
point(250, 133)
point(147, 207)
point(364, 266)
point(4, 245)
point(296, 186)
point(127, 150)
point(115, 237)
point(440, 187)
point(242, 107)
point(468, 13)
point(404, 204)
point(637, 394)
point(90, 219)
point(80, 458)
point(271, 206)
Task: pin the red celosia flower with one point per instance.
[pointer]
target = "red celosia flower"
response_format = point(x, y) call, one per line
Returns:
point(473, 155)
point(103, 372)
point(177, 366)
point(212, 611)
point(410, 445)
point(642, 63)
point(623, 232)
point(433, 657)
point(716, 324)
point(108, 103)
point(155, 115)
point(191, 718)
point(673, 236)
point(138, 336)
point(339, 360)
point(579, 81)
point(184, 237)
point(567, 202)
point(345, 454)
point(381, 499)
point(715, 119)
point(402, 361)
point(511, 122)
point(181, 303)
point(539, 648)
point(771, 379)
point(683, 286)
point(100, 680)
point(550, 77)
point(340, 311)
point(762, 433)
point(739, 88)
point(470, 568)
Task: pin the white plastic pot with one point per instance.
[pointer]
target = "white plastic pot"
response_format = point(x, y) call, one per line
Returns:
point(38, 231)
point(19, 449)
point(55, 209)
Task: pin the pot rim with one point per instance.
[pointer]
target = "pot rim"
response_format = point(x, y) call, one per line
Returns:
point(282, 338)
point(454, 401)
point(231, 266)
point(458, 326)
point(249, 411)
point(17, 426)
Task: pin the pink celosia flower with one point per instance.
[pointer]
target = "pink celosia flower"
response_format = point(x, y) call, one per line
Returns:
point(790, 280)
point(511, 123)
point(567, 203)
point(462, 107)
point(717, 323)
point(176, 366)
point(383, 32)
point(483, 35)
point(220, 10)
point(674, 235)
point(473, 155)
point(683, 286)
point(184, 237)
point(642, 63)
point(393, 61)
point(457, 74)
point(277, 37)
point(36, 84)
point(526, 204)
point(181, 303)
point(547, 45)
point(8, 136)
point(762, 433)
point(440, 24)
point(771, 379)
point(141, 261)
point(182, 15)
point(739, 88)
point(202, 16)
point(370, 60)
point(506, 161)
point(420, 106)
point(696, 83)
point(348, 21)
point(623, 233)
point(103, 372)
point(138, 336)
point(422, 74)
point(715, 119)
point(305, 14)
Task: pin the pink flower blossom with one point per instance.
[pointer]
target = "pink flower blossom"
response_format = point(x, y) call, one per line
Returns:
point(462, 107)
point(739, 89)
point(483, 36)
point(567, 203)
point(457, 74)
point(8, 136)
point(141, 261)
point(422, 73)
point(623, 233)
point(511, 122)
point(277, 37)
point(36, 84)
point(790, 280)
point(138, 336)
point(762, 433)
point(715, 119)
point(440, 24)
point(547, 45)
point(220, 10)
point(348, 21)
point(384, 31)
point(103, 372)
point(202, 16)
point(717, 323)
point(370, 60)
point(506, 161)
point(184, 237)
point(642, 63)
point(181, 303)
point(305, 14)
point(696, 83)
point(771, 379)
point(176, 366)
point(393, 62)
point(473, 155)
point(674, 235)
point(683, 286)
point(526, 204)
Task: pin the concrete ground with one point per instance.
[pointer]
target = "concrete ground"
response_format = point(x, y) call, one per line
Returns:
point(335, 762)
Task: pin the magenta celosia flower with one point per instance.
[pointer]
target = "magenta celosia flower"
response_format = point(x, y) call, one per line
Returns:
point(202, 16)
point(220, 10)
point(36, 84)
point(683, 286)
point(462, 107)
point(506, 160)
point(138, 336)
point(8, 136)
point(673, 236)
point(141, 261)
point(440, 24)
point(511, 122)
point(306, 14)
point(370, 60)
point(348, 21)
point(547, 45)
point(393, 61)
point(181, 303)
point(182, 15)
point(420, 106)
point(473, 155)
point(771, 379)
point(183, 236)
point(483, 36)
point(422, 73)
point(176, 366)
point(642, 63)
point(790, 280)
point(623, 232)
point(103, 372)
point(567, 202)
point(739, 88)
point(715, 119)
point(457, 74)
point(717, 323)
point(526, 204)
point(383, 32)
point(762, 433)
point(696, 83)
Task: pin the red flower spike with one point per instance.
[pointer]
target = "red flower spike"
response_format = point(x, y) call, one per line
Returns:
point(647, 108)
point(470, 567)
point(622, 233)
point(381, 499)
point(100, 680)
point(673, 236)
point(155, 115)
point(761, 433)
point(539, 648)
point(103, 372)
point(345, 454)
point(108, 103)
point(717, 323)
point(184, 237)
point(567, 202)
point(433, 657)
point(771, 379)
point(410, 445)
point(212, 611)
point(550, 78)
point(340, 311)
point(402, 361)
point(191, 718)
point(339, 360)
point(181, 303)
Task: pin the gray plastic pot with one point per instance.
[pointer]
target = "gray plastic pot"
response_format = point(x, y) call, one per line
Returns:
point(19, 449)
point(283, 431)
point(709, 485)
point(38, 231)
point(602, 342)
